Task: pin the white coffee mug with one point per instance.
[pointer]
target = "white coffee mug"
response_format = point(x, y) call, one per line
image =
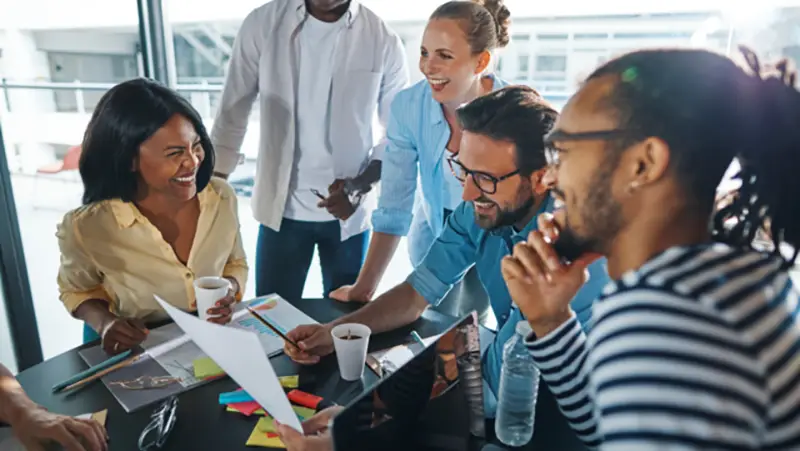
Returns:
point(207, 291)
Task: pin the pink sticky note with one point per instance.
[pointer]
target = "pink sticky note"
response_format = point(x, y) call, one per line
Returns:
point(247, 408)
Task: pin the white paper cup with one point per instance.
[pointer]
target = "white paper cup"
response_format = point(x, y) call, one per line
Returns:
point(351, 353)
point(207, 291)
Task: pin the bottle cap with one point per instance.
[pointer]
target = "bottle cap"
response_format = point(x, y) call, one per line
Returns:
point(524, 329)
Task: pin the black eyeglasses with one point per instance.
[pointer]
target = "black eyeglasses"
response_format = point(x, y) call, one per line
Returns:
point(163, 420)
point(487, 183)
point(551, 153)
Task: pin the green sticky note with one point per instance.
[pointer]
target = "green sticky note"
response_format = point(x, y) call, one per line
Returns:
point(205, 368)
point(266, 424)
point(304, 412)
point(289, 381)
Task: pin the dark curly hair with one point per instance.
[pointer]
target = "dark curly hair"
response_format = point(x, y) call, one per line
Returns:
point(710, 111)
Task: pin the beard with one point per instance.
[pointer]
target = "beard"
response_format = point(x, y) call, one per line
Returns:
point(601, 217)
point(510, 216)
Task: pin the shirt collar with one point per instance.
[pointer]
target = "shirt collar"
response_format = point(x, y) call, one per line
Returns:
point(126, 213)
point(352, 11)
point(437, 115)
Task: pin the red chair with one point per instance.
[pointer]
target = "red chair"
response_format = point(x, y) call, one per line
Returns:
point(69, 163)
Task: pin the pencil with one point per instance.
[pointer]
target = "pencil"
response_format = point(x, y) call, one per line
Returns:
point(417, 338)
point(273, 328)
point(94, 369)
point(100, 374)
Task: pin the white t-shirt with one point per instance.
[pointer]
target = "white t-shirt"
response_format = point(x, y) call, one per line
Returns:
point(313, 160)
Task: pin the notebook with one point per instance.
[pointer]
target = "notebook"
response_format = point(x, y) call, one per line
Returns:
point(170, 352)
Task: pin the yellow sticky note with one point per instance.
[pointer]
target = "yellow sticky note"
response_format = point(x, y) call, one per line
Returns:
point(205, 368)
point(266, 424)
point(304, 412)
point(290, 381)
point(100, 417)
point(258, 438)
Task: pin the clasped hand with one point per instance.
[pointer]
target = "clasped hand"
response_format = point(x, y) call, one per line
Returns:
point(338, 203)
point(541, 284)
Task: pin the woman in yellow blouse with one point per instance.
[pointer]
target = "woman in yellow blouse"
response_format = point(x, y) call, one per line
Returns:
point(153, 219)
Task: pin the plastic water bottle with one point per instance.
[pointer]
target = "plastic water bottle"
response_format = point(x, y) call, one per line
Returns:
point(519, 384)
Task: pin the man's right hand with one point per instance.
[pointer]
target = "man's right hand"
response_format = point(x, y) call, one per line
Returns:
point(315, 341)
point(352, 293)
point(121, 334)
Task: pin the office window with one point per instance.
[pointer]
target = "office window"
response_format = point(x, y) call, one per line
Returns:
point(520, 37)
point(653, 35)
point(78, 49)
point(88, 68)
point(523, 67)
point(552, 36)
point(551, 63)
point(582, 36)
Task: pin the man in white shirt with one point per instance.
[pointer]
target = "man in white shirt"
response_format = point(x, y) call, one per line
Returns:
point(321, 69)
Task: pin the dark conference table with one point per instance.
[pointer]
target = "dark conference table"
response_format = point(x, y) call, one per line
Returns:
point(202, 424)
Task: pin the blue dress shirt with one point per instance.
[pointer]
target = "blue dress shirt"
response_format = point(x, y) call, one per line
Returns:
point(463, 244)
point(417, 135)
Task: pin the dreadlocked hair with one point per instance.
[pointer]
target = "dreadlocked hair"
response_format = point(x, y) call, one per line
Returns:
point(709, 111)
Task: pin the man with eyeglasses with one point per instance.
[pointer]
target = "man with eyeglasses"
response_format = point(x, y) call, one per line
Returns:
point(502, 164)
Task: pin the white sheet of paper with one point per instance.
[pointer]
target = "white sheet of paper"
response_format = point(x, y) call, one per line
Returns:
point(240, 354)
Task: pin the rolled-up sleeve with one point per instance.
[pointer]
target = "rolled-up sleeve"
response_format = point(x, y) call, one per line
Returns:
point(78, 277)
point(236, 266)
point(394, 80)
point(398, 174)
point(449, 257)
point(238, 95)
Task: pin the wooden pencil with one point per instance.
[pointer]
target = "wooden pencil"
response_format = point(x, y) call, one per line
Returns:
point(273, 328)
point(100, 374)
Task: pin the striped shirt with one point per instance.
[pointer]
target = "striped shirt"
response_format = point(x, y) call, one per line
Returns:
point(697, 349)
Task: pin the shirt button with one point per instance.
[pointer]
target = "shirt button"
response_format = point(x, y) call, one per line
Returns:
point(188, 275)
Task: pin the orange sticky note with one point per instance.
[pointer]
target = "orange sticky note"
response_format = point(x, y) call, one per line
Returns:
point(247, 408)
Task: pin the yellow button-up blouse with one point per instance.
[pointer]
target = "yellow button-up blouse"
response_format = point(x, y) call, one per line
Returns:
point(111, 251)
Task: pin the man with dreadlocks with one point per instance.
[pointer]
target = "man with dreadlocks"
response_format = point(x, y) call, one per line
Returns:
point(695, 344)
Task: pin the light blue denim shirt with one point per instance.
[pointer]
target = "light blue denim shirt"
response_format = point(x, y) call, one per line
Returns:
point(417, 135)
point(462, 244)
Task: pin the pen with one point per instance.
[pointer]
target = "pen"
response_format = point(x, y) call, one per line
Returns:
point(317, 193)
point(91, 371)
point(417, 338)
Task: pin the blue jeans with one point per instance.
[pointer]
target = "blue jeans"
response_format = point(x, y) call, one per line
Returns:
point(283, 258)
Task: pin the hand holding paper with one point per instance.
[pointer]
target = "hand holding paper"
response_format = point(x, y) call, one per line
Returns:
point(248, 366)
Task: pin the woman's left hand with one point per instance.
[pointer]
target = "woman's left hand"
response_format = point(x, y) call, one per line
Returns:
point(222, 311)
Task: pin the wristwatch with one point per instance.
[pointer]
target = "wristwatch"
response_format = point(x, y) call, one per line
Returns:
point(350, 188)
point(354, 192)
